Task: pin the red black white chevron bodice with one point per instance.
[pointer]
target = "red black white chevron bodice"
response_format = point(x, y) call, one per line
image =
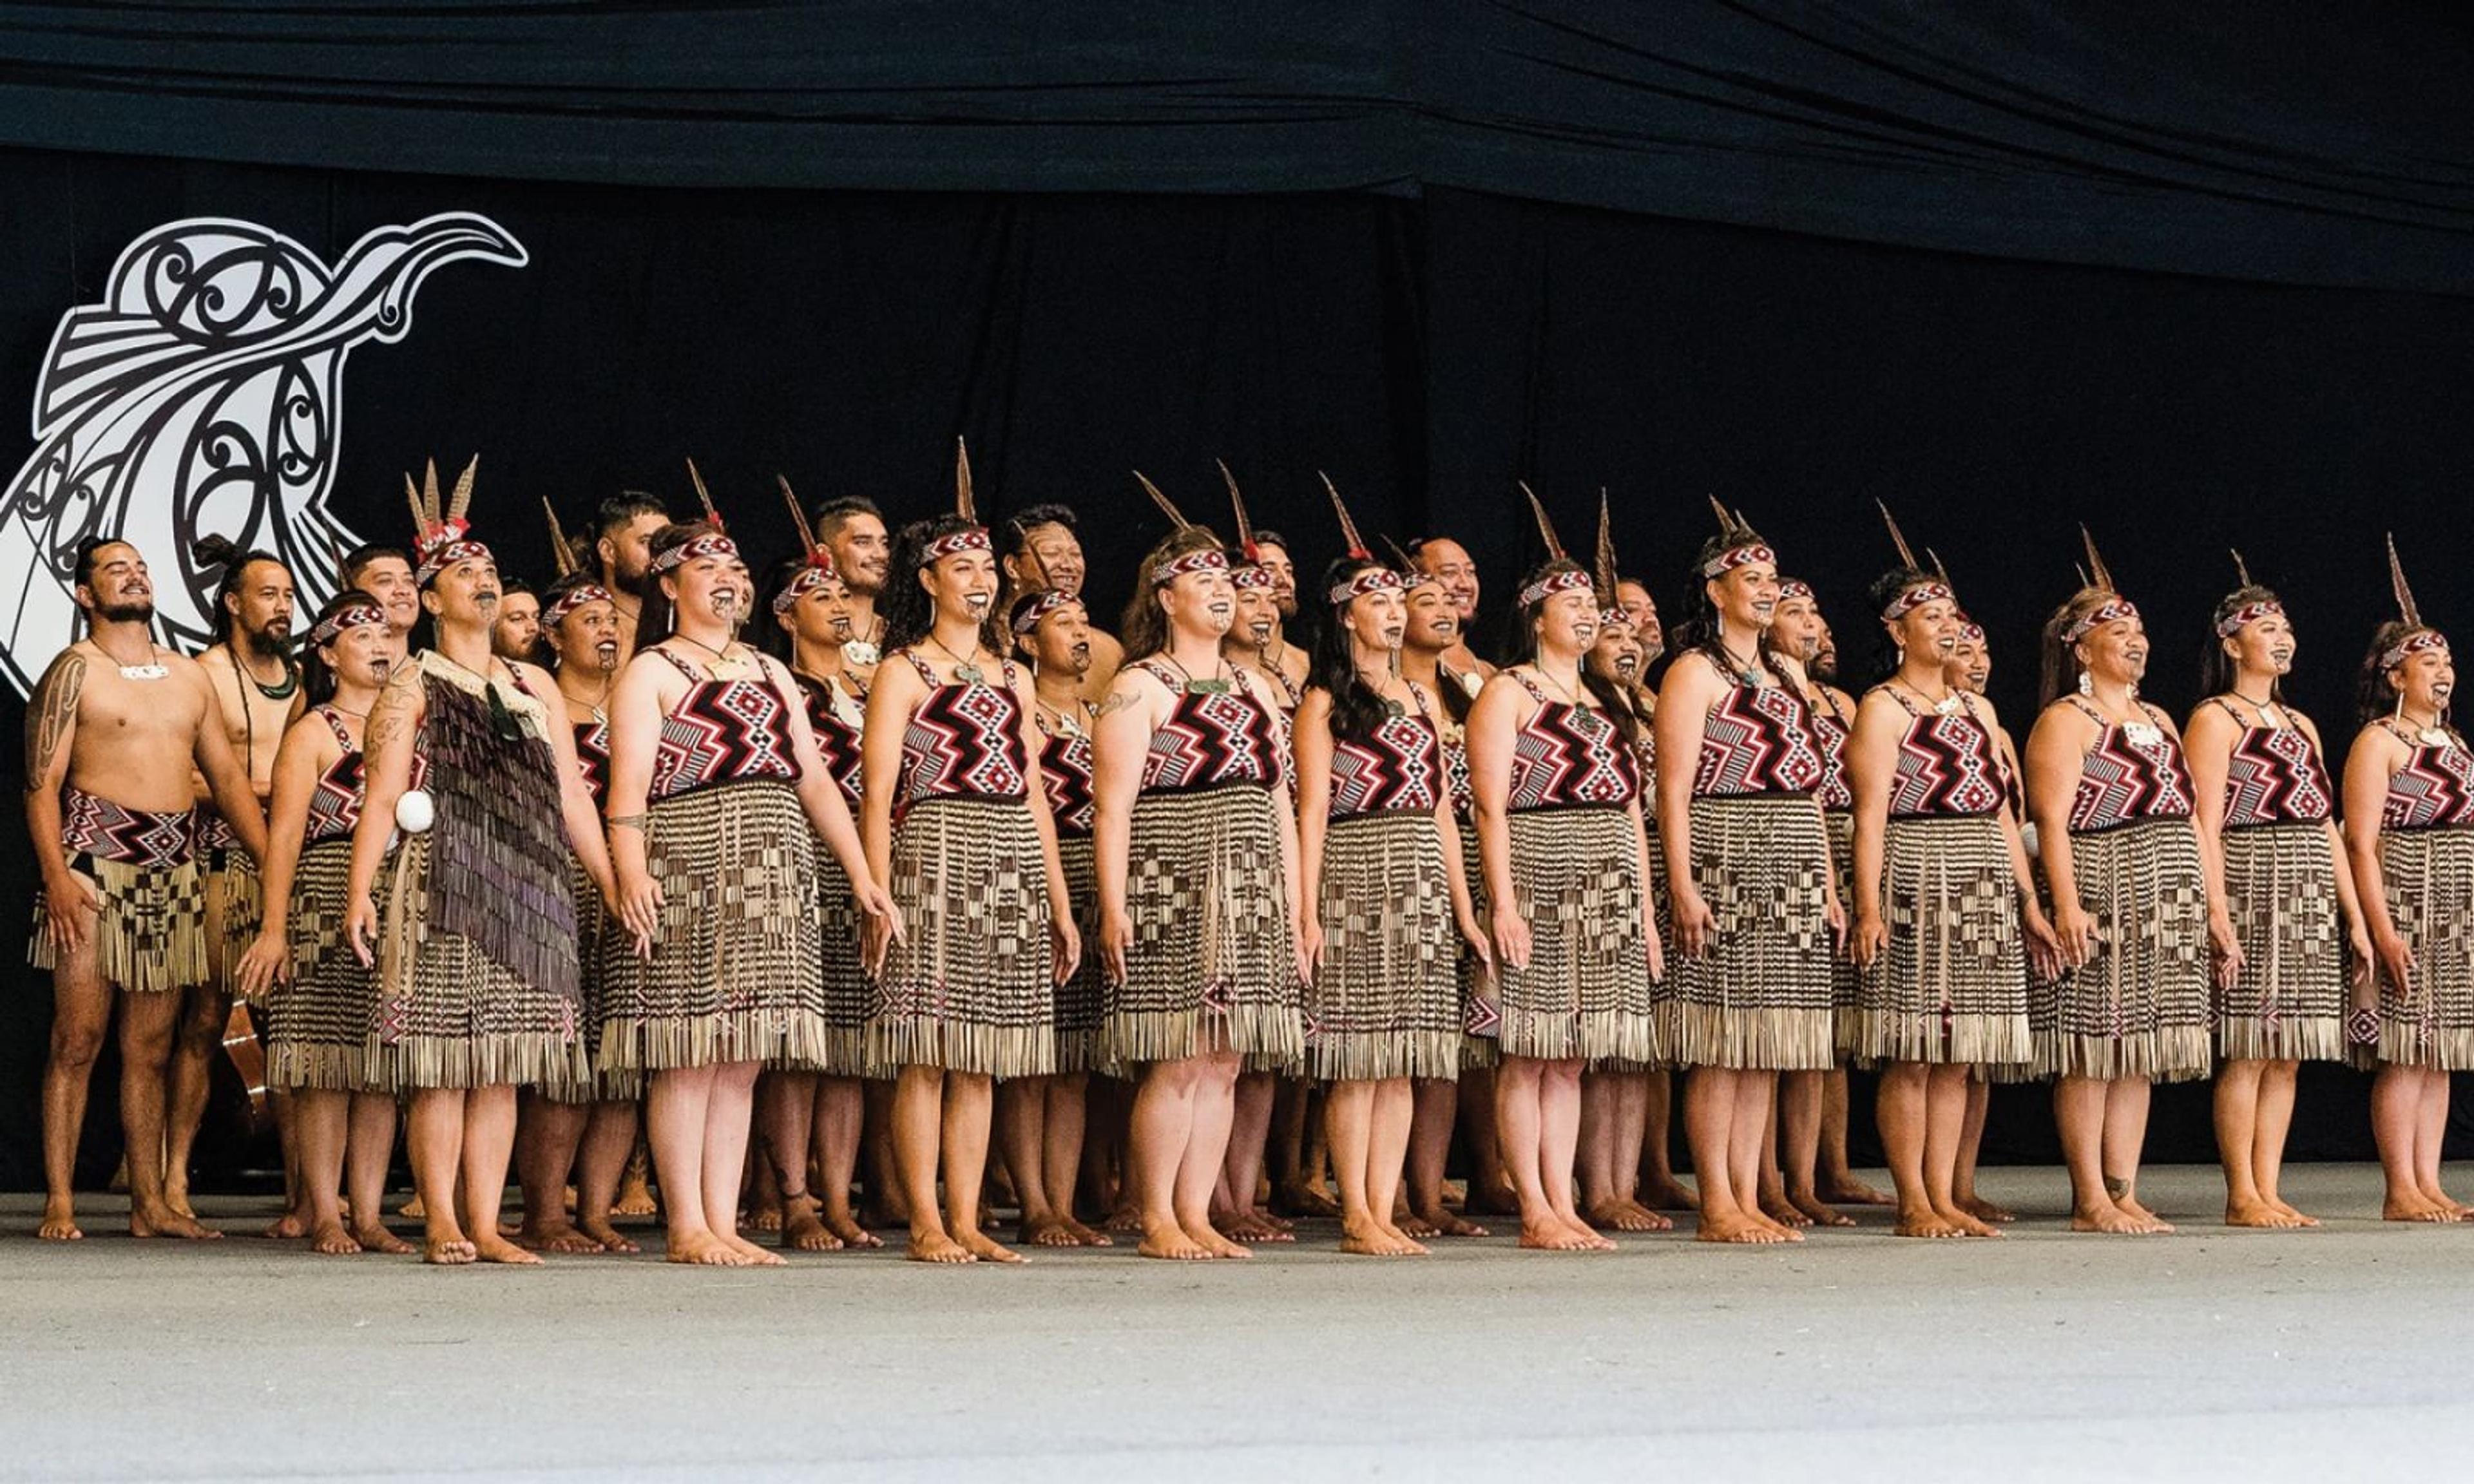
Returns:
point(2435, 789)
point(593, 758)
point(1569, 757)
point(837, 737)
point(964, 741)
point(2275, 777)
point(1947, 766)
point(1396, 766)
point(1212, 739)
point(1829, 737)
point(335, 804)
point(721, 732)
point(1065, 774)
point(1759, 739)
point(2124, 779)
point(96, 826)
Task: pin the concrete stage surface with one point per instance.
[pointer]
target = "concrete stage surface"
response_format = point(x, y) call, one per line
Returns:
point(2208, 1353)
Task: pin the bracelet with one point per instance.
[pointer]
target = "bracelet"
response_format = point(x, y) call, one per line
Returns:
point(635, 822)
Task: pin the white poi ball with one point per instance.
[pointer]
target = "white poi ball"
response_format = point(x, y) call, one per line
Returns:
point(414, 811)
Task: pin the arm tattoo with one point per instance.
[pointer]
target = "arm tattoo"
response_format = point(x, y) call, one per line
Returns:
point(394, 712)
point(1113, 701)
point(49, 718)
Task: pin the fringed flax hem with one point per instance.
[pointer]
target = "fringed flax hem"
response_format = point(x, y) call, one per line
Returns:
point(150, 934)
point(1386, 998)
point(2139, 1006)
point(318, 1025)
point(1951, 986)
point(968, 988)
point(1585, 993)
point(2289, 1002)
point(2428, 876)
point(1839, 824)
point(1481, 1003)
point(1763, 997)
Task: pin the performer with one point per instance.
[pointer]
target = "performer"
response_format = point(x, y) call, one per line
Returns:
point(1043, 554)
point(854, 535)
point(1453, 569)
point(477, 943)
point(968, 994)
point(716, 796)
point(811, 1117)
point(1040, 1120)
point(113, 731)
point(1944, 900)
point(1970, 669)
point(2409, 837)
point(386, 573)
point(1195, 848)
point(2280, 910)
point(518, 632)
point(1382, 892)
point(321, 1003)
point(623, 527)
point(251, 638)
point(2112, 802)
point(1753, 898)
point(1558, 787)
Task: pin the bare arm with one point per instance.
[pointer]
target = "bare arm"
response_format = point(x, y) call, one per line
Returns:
point(1285, 806)
point(1312, 743)
point(386, 773)
point(1692, 685)
point(50, 737)
point(635, 711)
point(1065, 940)
point(2056, 750)
point(307, 751)
point(2208, 748)
point(1872, 764)
point(890, 701)
point(235, 794)
point(1493, 718)
point(2374, 761)
point(1120, 740)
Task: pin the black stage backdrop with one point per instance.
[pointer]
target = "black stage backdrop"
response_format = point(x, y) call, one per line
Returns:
point(1999, 271)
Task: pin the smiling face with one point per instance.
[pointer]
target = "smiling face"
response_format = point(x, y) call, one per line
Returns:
point(361, 656)
point(861, 553)
point(1969, 665)
point(1284, 578)
point(117, 588)
point(2116, 651)
point(1051, 559)
point(1929, 632)
point(2262, 646)
point(1447, 562)
point(1201, 605)
point(389, 580)
point(1617, 655)
point(1434, 621)
point(1061, 644)
point(704, 592)
point(1747, 597)
point(1795, 626)
point(822, 615)
point(965, 582)
point(1377, 622)
point(1566, 622)
point(1257, 613)
point(586, 639)
point(2426, 681)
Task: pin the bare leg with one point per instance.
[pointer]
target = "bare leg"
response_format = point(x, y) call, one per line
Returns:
point(1491, 1191)
point(676, 1109)
point(1430, 1147)
point(2275, 1121)
point(1061, 1156)
point(80, 1017)
point(2428, 1133)
point(2237, 1123)
point(548, 1134)
point(369, 1145)
point(1753, 1154)
point(320, 1120)
point(147, 1028)
point(1597, 1148)
point(296, 1218)
point(1110, 1107)
point(1348, 1113)
point(887, 1204)
point(785, 1114)
point(600, 1164)
point(1559, 1137)
point(636, 1186)
point(918, 1143)
point(1248, 1134)
point(1838, 1182)
point(1162, 1131)
point(1394, 1111)
point(434, 1134)
point(1944, 1125)
point(839, 1123)
point(969, 1097)
point(1021, 1133)
point(197, 1041)
point(2079, 1116)
point(489, 1146)
point(1971, 1143)
point(1787, 1161)
point(730, 1113)
point(1899, 1109)
point(1712, 1096)
point(2125, 1134)
point(1215, 1112)
point(1660, 1189)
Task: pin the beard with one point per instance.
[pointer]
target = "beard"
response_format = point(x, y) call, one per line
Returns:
point(135, 610)
point(268, 645)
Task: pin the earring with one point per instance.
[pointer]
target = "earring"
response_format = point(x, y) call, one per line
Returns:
point(2087, 683)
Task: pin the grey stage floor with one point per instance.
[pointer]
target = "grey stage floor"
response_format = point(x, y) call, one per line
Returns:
point(2207, 1353)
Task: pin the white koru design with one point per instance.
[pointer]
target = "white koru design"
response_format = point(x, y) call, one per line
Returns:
point(203, 397)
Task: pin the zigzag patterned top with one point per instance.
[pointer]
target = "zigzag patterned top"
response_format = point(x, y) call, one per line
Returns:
point(1948, 765)
point(837, 729)
point(963, 740)
point(1396, 767)
point(1759, 739)
point(721, 732)
point(1212, 739)
point(97, 829)
point(2435, 789)
point(2274, 776)
point(1456, 781)
point(593, 758)
point(2124, 781)
point(335, 806)
point(1829, 733)
point(1569, 757)
point(1065, 775)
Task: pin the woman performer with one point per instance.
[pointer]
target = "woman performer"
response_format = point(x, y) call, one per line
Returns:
point(2410, 836)
point(318, 1021)
point(1942, 891)
point(2269, 840)
point(1557, 785)
point(1970, 669)
point(2112, 803)
point(1040, 1120)
point(1381, 884)
point(969, 994)
point(810, 1116)
point(1433, 630)
point(716, 797)
point(1195, 848)
point(478, 984)
point(1753, 896)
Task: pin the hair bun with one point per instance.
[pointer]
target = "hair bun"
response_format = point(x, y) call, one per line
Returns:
point(217, 551)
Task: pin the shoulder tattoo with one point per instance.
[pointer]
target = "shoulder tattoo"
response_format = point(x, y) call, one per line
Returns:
point(48, 720)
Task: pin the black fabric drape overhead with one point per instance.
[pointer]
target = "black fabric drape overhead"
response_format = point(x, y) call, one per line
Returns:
point(2283, 141)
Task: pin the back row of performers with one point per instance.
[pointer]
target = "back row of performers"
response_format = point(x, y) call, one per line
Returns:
point(937, 856)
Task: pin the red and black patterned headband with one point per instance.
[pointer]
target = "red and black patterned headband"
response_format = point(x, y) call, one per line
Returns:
point(1027, 618)
point(1735, 556)
point(573, 598)
point(975, 539)
point(2249, 614)
point(1373, 579)
point(443, 545)
point(1208, 560)
point(712, 544)
point(1571, 579)
point(352, 615)
point(2111, 610)
point(1970, 632)
point(1790, 587)
point(1252, 577)
point(1914, 596)
point(2419, 643)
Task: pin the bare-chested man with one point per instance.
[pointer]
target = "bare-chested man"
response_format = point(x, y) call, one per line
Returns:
point(1042, 554)
point(1448, 563)
point(257, 687)
point(386, 573)
point(622, 535)
point(112, 733)
point(516, 635)
point(1289, 661)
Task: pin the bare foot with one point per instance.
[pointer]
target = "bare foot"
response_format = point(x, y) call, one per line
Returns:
point(1169, 1242)
point(635, 1199)
point(164, 1221)
point(600, 1228)
point(2259, 1213)
point(2413, 1207)
point(937, 1247)
point(803, 1230)
point(291, 1226)
point(705, 1250)
point(756, 1256)
point(412, 1210)
point(1845, 1189)
point(979, 1244)
point(555, 1234)
point(2140, 1213)
point(1550, 1234)
point(2287, 1206)
point(1305, 1200)
point(1125, 1218)
point(2458, 1210)
point(1668, 1195)
point(1786, 1231)
point(1412, 1226)
point(1736, 1228)
point(1780, 1212)
point(175, 1195)
point(1819, 1214)
point(332, 1239)
point(1087, 1237)
point(494, 1247)
point(1968, 1226)
point(851, 1233)
point(374, 1237)
point(447, 1252)
point(2109, 1219)
point(767, 1217)
point(1047, 1232)
point(1624, 1215)
point(1591, 1240)
point(1218, 1246)
point(1445, 1224)
point(1248, 1226)
point(1927, 1223)
point(60, 1223)
point(1983, 1210)
point(1409, 1246)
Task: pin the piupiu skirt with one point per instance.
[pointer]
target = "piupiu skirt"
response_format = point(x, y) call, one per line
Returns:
point(1839, 824)
point(592, 925)
point(1585, 993)
point(1761, 997)
point(1213, 963)
point(970, 986)
point(1951, 985)
point(319, 1023)
point(2139, 1006)
point(2428, 876)
point(1480, 996)
point(1386, 999)
point(1077, 999)
point(2290, 1001)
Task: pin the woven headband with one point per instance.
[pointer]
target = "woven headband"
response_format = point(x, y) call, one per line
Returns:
point(976, 538)
point(1573, 580)
point(2249, 614)
point(1735, 556)
point(1027, 619)
point(1913, 597)
point(1252, 577)
point(713, 544)
point(1970, 633)
point(2111, 610)
point(572, 599)
point(444, 545)
point(1373, 579)
point(2421, 641)
point(1208, 560)
point(352, 615)
point(1791, 589)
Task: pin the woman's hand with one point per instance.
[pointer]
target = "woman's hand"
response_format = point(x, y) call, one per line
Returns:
point(267, 964)
point(1868, 940)
point(2075, 931)
point(1696, 927)
point(1512, 942)
point(1116, 942)
point(2226, 946)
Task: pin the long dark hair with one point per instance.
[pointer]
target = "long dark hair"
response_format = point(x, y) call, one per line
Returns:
point(655, 619)
point(2061, 666)
point(1356, 710)
point(1696, 630)
point(766, 631)
point(903, 604)
point(1142, 628)
point(1884, 591)
point(1520, 646)
point(218, 551)
point(2216, 666)
point(317, 683)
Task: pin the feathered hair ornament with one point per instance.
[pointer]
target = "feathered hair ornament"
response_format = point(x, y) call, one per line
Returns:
point(1570, 578)
point(1915, 595)
point(2418, 637)
point(1374, 578)
point(440, 528)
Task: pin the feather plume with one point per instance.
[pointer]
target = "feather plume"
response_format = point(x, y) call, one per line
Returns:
point(2242, 569)
point(798, 517)
point(1899, 537)
point(1545, 527)
point(1606, 573)
point(562, 553)
point(429, 500)
point(1168, 507)
point(2406, 609)
point(704, 496)
point(1938, 570)
point(2097, 570)
point(1347, 528)
point(1399, 558)
point(965, 505)
point(1727, 524)
point(1237, 504)
point(462, 500)
point(412, 498)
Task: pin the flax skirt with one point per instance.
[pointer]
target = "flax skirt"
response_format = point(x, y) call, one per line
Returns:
point(1212, 963)
point(1077, 999)
point(1951, 986)
point(1585, 993)
point(318, 1025)
point(970, 986)
point(1481, 1003)
point(592, 929)
point(1839, 824)
point(735, 972)
point(2428, 876)
point(1386, 998)
point(2290, 1001)
point(1760, 997)
point(150, 931)
point(848, 995)
point(449, 1016)
point(2139, 1006)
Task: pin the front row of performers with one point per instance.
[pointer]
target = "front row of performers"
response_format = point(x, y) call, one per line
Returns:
point(923, 869)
